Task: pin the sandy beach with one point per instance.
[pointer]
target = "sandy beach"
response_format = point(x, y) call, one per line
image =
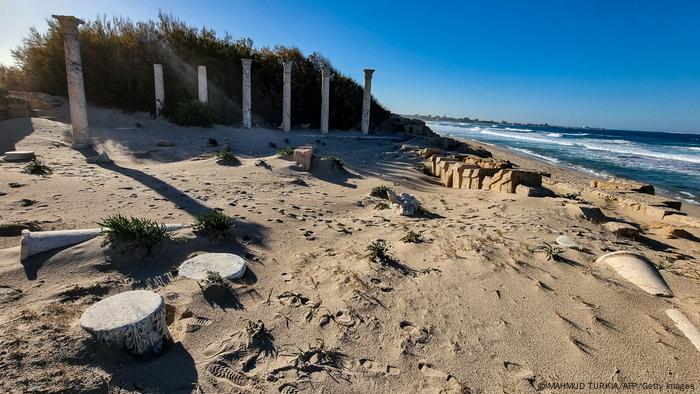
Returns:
point(477, 306)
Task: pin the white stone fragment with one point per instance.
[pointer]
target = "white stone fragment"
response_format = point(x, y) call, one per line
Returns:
point(567, 242)
point(19, 155)
point(34, 242)
point(686, 326)
point(133, 320)
point(638, 270)
point(228, 265)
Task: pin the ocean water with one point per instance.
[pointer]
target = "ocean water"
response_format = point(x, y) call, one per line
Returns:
point(669, 161)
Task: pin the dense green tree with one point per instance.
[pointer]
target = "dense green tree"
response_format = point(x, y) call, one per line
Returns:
point(118, 57)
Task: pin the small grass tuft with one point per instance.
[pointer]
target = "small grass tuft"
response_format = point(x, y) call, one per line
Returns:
point(336, 162)
point(378, 251)
point(36, 167)
point(550, 251)
point(413, 237)
point(381, 191)
point(226, 158)
point(143, 232)
point(214, 279)
point(286, 151)
point(213, 222)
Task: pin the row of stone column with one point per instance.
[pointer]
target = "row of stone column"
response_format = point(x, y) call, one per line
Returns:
point(286, 94)
point(78, 107)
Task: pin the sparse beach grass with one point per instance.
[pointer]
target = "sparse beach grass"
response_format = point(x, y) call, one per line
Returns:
point(37, 167)
point(143, 232)
point(213, 222)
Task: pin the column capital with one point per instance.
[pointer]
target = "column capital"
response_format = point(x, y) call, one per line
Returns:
point(69, 23)
point(246, 62)
point(369, 72)
point(325, 70)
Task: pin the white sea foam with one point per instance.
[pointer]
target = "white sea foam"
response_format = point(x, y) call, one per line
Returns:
point(555, 135)
point(526, 137)
point(641, 152)
point(531, 153)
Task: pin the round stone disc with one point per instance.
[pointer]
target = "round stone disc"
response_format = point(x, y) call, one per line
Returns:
point(120, 310)
point(228, 265)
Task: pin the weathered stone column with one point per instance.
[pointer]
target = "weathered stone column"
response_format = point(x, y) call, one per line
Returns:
point(325, 97)
point(246, 93)
point(74, 72)
point(202, 84)
point(287, 97)
point(367, 100)
point(160, 89)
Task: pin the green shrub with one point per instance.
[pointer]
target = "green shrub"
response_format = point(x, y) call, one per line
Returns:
point(118, 57)
point(381, 191)
point(213, 222)
point(226, 158)
point(36, 167)
point(193, 113)
point(412, 237)
point(336, 162)
point(143, 232)
point(378, 251)
point(287, 150)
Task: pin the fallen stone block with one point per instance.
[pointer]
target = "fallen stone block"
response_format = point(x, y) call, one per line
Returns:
point(19, 155)
point(441, 165)
point(621, 229)
point(427, 152)
point(486, 183)
point(303, 155)
point(487, 162)
point(670, 232)
point(474, 178)
point(586, 212)
point(623, 184)
point(457, 171)
point(505, 181)
point(533, 191)
point(133, 320)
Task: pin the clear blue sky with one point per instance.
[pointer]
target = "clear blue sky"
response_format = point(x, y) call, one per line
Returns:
point(615, 64)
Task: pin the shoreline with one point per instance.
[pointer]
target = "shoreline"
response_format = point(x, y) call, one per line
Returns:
point(562, 173)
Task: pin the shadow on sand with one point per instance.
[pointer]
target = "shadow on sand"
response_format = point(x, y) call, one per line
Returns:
point(173, 371)
point(13, 131)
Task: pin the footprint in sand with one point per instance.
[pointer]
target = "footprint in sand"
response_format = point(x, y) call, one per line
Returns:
point(225, 373)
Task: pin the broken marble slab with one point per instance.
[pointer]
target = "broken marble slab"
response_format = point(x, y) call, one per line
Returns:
point(227, 265)
point(133, 320)
point(638, 270)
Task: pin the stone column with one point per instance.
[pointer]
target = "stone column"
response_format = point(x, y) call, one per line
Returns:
point(367, 100)
point(287, 97)
point(202, 84)
point(325, 97)
point(246, 93)
point(74, 72)
point(160, 89)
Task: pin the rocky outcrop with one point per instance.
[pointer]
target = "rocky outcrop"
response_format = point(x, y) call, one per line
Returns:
point(404, 204)
point(401, 124)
